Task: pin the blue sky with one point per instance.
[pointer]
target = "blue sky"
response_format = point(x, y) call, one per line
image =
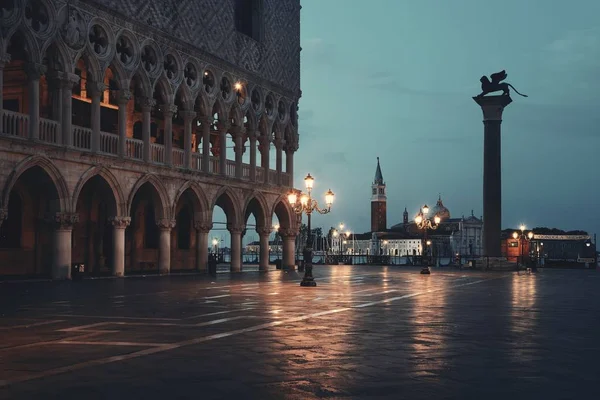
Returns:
point(394, 79)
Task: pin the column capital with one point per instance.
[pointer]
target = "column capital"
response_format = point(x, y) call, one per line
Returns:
point(3, 214)
point(492, 106)
point(168, 110)
point(291, 147)
point(63, 221)
point(205, 120)
point(187, 115)
point(238, 229)
point(123, 96)
point(147, 103)
point(279, 143)
point(4, 59)
point(165, 223)
point(120, 222)
point(95, 88)
point(288, 233)
point(263, 230)
point(252, 134)
point(203, 227)
point(34, 70)
point(235, 130)
point(264, 143)
point(223, 125)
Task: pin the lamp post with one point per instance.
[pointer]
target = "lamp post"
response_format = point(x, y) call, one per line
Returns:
point(424, 222)
point(276, 230)
point(522, 237)
point(307, 205)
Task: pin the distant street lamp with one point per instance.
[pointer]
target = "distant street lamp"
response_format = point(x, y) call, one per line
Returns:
point(424, 222)
point(307, 205)
point(522, 238)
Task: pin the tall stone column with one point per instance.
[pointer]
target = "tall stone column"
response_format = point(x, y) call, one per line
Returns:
point(205, 121)
point(122, 101)
point(168, 111)
point(265, 145)
point(264, 233)
point(289, 246)
point(96, 90)
point(188, 118)
point(63, 228)
point(202, 230)
point(164, 245)
point(66, 85)
point(278, 160)
point(252, 138)
point(492, 107)
point(55, 95)
point(223, 129)
point(34, 73)
point(147, 104)
point(239, 150)
point(289, 165)
point(236, 247)
point(119, 225)
point(4, 59)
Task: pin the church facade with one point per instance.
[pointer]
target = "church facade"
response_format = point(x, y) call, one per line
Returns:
point(124, 123)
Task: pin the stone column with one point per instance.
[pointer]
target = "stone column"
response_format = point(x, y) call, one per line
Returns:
point(54, 87)
point(289, 165)
point(4, 59)
point(164, 245)
point(67, 82)
point(147, 103)
point(265, 145)
point(239, 151)
point(252, 138)
point(34, 73)
point(96, 90)
point(264, 233)
point(168, 111)
point(3, 215)
point(236, 247)
point(278, 159)
point(289, 247)
point(202, 230)
point(63, 228)
point(119, 225)
point(123, 100)
point(188, 118)
point(205, 121)
point(223, 129)
point(492, 107)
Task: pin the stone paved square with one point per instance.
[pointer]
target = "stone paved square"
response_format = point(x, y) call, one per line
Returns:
point(363, 333)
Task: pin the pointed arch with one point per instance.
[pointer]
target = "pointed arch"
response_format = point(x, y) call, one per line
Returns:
point(50, 169)
point(203, 211)
point(229, 202)
point(33, 51)
point(184, 96)
point(285, 214)
point(145, 86)
point(202, 104)
point(251, 123)
point(220, 108)
point(236, 116)
point(163, 88)
point(256, 204)
point(60, 51)
point(112, 182)
point(163, 210)
point(96, 73)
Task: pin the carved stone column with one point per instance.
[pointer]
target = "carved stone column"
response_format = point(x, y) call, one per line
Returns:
point(168, 111)
point(289, 238)
point(264, 233)
point(188, 118)
point(119, 225)
point(223, 129)
point(238, 149)
point(4, 59)
point(63, 228)
point(205, 121)
point(236, 247)
point(289, 166)
point(147, 104)
point(202, 230)
point(66, 86)
point(123, 100)
point(96, 90)
point(264, 146)
point(279, 159)
point(34, 73)
point(252, 139)
point(164, 246)
point(55, 97)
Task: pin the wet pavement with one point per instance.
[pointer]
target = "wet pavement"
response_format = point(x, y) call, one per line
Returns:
point(363, 333)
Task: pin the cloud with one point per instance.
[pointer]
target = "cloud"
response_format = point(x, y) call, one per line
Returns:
point(335, 157)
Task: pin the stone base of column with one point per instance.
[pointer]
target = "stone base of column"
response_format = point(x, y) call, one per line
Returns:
point(289, 268)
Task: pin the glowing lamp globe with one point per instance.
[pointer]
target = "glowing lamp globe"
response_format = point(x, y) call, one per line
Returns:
point(329, 196)
point(309, 181)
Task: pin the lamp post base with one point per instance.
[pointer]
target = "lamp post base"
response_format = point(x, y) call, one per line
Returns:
point(425, 271)
point(308, 280)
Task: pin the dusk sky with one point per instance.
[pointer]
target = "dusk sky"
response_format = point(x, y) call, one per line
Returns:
point(395, 78)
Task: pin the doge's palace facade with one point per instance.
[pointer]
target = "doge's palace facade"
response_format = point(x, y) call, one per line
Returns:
point(115, 121)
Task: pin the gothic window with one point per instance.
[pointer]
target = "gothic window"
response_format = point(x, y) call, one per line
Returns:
point(374, 191)
point(380, 190)
point(248, 18)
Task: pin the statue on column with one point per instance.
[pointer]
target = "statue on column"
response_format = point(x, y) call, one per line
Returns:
point(496, 85)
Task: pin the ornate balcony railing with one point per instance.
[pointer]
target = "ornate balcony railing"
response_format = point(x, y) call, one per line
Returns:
point(197, 161)
point(49, 130)
point(15, 124)
point(135, 148)
point(157, 153)
point(178, 156)
point(109, 143)
point(82, 138)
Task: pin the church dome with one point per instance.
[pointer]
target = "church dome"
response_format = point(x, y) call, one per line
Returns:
point(440, 210)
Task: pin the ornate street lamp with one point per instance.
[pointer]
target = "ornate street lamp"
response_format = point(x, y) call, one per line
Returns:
point(522, 238)
point(307, 205)
point(424, 222)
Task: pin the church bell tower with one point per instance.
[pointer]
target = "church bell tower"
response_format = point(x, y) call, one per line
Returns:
point(378, 202)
